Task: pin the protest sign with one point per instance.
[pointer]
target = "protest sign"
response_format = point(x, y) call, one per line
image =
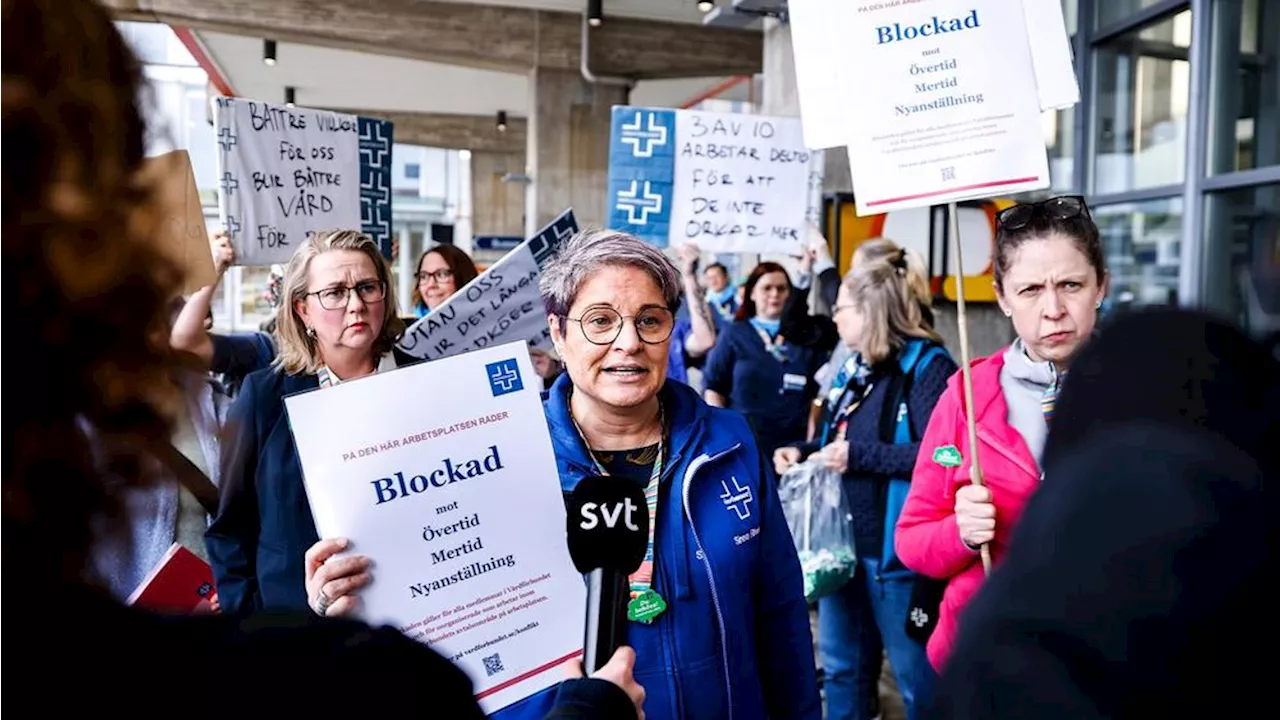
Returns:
point(457, 502)
point(831, 86)
point(286, 172)
point(952, 110)
point(183, 236)
point(501, 305)
point(725, 181)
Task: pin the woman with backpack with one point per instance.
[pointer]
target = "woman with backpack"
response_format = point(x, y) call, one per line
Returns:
point(875, 411)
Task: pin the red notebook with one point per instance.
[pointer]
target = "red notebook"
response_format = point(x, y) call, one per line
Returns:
point(181, 582)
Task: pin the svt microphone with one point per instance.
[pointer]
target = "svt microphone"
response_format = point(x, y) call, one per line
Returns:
point(608, 526)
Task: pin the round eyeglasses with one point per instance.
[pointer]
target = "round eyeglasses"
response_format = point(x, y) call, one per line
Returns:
point(336, 297)
point(602, 326)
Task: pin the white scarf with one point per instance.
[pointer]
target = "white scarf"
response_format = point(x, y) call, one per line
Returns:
point(328, 378)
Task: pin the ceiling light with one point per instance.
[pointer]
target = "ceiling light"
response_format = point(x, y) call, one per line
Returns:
point(595, 12)
point(706, 5)
point(268, 52)
point(502, 121)
point(289, 95)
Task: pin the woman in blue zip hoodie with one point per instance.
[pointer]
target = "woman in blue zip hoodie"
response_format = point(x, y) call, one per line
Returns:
point(730, 639)
point(872, 418)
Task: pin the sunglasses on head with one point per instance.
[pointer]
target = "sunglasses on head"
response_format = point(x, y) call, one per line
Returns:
point(1063, 207)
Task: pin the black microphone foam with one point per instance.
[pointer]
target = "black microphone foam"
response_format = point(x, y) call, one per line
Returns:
point(608, 524)
point(608, 528)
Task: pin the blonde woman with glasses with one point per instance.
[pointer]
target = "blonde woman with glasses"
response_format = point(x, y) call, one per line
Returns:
point(337, 323)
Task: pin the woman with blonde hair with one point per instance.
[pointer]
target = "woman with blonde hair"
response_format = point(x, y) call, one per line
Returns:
point(88, 291)
point(917, 274)
point(337, 323)
point(873, 416)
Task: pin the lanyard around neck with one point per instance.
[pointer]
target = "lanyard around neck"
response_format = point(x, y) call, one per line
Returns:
point(776, 346)
point(642, 579)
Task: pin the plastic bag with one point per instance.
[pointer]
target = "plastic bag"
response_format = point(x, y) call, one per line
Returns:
point(821, 526)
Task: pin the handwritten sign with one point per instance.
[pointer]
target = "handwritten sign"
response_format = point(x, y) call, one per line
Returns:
point(951, 111)
point(501, 305)
point(284, 173)
point(728, 182)
point(457, 502)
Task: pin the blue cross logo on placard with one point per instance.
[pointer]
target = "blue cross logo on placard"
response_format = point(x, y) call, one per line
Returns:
point(504, 377)
point(637, 205)
point(643, 139)
point(233, 227)
point(226, 139)
point(738, 499)
point(229, 183)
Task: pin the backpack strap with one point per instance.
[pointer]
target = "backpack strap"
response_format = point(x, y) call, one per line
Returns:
point(895, 423)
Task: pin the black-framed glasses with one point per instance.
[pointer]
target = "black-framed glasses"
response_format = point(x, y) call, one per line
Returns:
point(601, 326)
point(335, 298)
point(441, 276)
point(1063, 207)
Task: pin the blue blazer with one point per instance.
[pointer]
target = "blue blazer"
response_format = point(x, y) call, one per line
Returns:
point(263, 528)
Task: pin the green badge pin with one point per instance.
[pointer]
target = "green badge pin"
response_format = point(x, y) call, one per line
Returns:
point(947, 456)
point(645, 607)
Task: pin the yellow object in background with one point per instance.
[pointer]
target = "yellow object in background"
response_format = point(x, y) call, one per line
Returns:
point(923, 230)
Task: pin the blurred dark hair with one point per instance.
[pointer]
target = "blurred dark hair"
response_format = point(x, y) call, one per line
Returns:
point(1171, 366)
point(747, 309)
point(84, 288)
point(459, 262)
point(1081, 229)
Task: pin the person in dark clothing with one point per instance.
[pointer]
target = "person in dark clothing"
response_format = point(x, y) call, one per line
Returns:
point(762, 372)
point(1139, 573)
point(873, 416)
point(88, 290)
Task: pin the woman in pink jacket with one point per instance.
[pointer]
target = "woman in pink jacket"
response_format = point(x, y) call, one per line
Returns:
point(1050, 280)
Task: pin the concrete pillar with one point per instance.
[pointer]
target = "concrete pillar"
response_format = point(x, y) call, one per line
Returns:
point(568, 147)
point(780, 97)
point(497, 205)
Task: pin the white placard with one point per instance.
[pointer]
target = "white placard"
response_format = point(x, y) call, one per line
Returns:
point(951, 111)
point(284, 173)
point(497, 307)
point(448, 483)
point(826, 85)
point(729, 182)
point(1051, 54)
point(829, 83)
point(741, 182)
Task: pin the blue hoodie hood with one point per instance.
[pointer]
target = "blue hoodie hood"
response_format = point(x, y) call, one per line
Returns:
point(735, 642)
point(688, 421)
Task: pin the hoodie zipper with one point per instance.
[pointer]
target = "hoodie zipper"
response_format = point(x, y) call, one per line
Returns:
point(694, 466)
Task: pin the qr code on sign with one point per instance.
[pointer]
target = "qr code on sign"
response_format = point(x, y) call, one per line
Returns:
point(493, 665)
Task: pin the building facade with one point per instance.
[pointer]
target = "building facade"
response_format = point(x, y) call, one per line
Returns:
point(1176, 146)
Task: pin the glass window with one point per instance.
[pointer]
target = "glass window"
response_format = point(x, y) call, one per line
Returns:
point(1142, 84)
point(412, 171)
point(1113, 11)
point(1244, 87)
point(1142, 242)
point(1071, 13)
point(155, 44)
point(1242, 257)
point(254, 306)
point(1060, 140)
